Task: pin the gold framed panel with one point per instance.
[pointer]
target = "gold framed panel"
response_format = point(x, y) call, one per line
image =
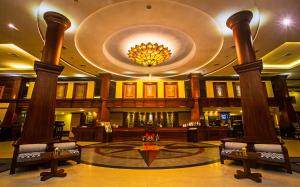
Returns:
point(170, 89)
point(220, 89)
point(236, 89)
point(129, 90)
point(150, 90)
point(79, 91)
point(61, 90)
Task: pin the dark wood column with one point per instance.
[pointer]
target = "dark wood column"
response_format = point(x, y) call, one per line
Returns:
point(103, 114)
point(195, 91)
point(11, 115)
point(281, 93)
point(258, 125)
point(39, 122)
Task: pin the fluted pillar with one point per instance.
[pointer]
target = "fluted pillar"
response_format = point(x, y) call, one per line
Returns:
point(38, 126)
point(195, 91)
point(104, 114)
point(258, 125)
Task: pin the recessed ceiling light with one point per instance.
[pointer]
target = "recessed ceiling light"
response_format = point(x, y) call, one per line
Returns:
point(12, 26)
point(286, 21)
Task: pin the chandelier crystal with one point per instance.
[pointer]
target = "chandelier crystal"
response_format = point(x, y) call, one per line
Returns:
point(149, 54)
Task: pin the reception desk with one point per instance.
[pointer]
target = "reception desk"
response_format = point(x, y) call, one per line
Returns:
point(136, 134)
point(212, 133)
point(165, 134)
point(127, 134)
point(89, 133)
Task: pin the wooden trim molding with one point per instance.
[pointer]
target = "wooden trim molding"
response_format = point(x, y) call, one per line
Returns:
point(144, 89)
point(76, 88)
point(124, 90)
point(220, 89)
point(175, 91)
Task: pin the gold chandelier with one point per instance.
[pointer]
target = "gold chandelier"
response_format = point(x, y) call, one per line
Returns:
point(149, 54)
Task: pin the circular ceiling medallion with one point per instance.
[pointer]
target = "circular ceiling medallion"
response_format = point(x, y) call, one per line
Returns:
point(105, 36)
point(116, 46)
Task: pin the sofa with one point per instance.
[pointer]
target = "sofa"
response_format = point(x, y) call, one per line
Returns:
point(269, 153)
point(27, 154)
point(228, 147)
point(273, 154)
point(30, 154)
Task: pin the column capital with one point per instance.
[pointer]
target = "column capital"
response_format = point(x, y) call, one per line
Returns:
point(50, 68)
point(199, 75)
point(242, 16)
point(105, 75)
point(241, 68)
point(54, 17)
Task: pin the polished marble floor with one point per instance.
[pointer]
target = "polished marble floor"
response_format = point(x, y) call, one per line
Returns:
point(207, 175)
point(150, 155)
point(212, 175)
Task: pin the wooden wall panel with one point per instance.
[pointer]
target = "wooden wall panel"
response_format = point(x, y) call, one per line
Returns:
point(150, 90)
point(61, 91)
point(129, 90)
point(236, 89)
point(80, 90)
point(220, 89)
point(171, 89)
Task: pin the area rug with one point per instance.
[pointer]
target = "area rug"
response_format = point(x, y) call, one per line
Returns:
point(4, 164)
point(141, 155)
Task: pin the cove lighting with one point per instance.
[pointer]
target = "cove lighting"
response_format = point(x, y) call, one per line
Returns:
point(80, 75)
point(282, 66)
point(21, 66)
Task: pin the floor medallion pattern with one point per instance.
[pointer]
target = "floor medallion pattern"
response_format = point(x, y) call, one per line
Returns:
point(148, 155)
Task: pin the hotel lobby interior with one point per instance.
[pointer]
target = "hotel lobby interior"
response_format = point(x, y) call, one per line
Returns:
point(149, 93)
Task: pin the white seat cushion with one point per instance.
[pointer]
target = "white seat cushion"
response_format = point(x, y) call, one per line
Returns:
point(29, 148)
point(272, 148)
point(65, 145)
point(273, 157)
point(74, 152)
point(26, 157)
point(235, 145)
